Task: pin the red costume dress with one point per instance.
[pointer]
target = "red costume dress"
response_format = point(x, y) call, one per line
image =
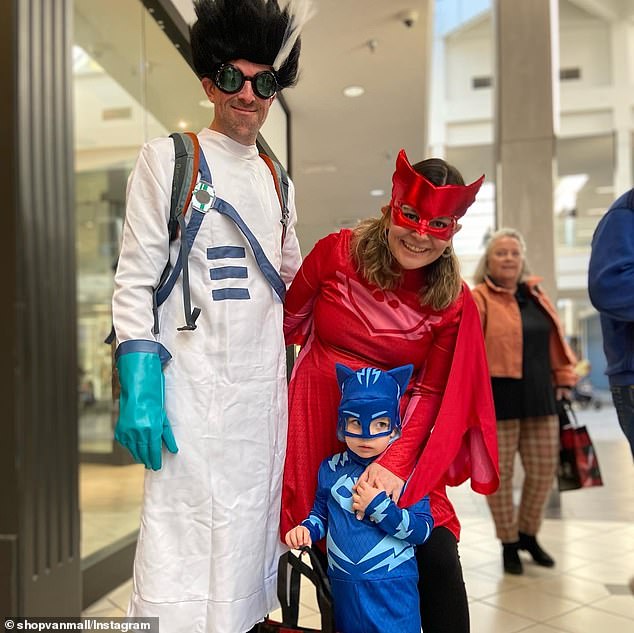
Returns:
point(337, 316)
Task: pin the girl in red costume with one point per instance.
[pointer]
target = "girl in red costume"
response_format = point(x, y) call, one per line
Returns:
point(389, 293)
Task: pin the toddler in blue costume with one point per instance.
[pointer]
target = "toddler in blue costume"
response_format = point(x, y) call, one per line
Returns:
point(369, 539)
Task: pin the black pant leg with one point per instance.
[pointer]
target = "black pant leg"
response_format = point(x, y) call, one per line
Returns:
point(443, 598)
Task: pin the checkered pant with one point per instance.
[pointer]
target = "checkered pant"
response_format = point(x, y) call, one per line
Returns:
point(537, 441)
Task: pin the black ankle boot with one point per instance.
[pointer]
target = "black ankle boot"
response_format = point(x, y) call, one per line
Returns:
point(511, 558)
point(530, 544)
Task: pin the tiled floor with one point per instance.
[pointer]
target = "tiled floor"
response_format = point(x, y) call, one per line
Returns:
point(589, 532)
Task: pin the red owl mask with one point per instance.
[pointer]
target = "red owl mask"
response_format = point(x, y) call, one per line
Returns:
point(428, 200)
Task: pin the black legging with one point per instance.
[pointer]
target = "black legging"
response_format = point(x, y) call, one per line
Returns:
point(443, 597)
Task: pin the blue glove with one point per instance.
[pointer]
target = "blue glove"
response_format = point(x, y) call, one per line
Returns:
point(143, 425)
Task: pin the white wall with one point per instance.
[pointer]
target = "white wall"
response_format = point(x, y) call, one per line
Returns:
point(469, 53)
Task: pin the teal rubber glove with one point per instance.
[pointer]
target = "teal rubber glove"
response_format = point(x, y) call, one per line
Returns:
point(143, 426)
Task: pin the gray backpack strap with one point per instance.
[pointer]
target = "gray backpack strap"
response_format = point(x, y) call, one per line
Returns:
point(280, 177)
point(186, 155)
point(184, 180)
point(186, 165)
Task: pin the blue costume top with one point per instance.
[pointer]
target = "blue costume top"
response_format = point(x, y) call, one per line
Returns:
point(380, 547)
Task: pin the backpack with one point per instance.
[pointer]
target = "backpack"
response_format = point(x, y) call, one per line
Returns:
point(184, 188)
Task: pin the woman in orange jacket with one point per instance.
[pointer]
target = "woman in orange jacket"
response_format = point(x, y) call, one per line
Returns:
point(531, 366)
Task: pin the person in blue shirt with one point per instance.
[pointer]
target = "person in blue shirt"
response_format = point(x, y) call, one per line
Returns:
point(611, 288)
point(370, 541)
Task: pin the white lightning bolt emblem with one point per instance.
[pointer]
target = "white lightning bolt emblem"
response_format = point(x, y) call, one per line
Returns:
point(402, 531)
point(401, 552)
point(378, 515)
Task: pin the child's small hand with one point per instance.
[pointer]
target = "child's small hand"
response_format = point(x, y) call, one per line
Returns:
point(362, 497)
point(298, 537)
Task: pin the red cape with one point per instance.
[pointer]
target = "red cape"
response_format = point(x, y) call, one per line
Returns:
point(463, 442)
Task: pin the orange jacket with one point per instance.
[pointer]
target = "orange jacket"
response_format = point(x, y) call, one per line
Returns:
point(502, 324)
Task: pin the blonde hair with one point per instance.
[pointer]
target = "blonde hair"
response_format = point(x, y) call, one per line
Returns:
point(375, 262)
point(482, 269)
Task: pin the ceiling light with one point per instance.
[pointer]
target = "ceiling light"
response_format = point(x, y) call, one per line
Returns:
point(205, 103)
point(182, 125)
point(353, 91)
point(377, 193)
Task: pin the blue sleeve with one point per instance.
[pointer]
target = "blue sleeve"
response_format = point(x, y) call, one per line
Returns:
point(611, 270)
point(413, 524)
point(317, 521)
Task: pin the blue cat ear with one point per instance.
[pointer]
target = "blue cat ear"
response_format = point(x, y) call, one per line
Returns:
point(343, 373)
point(402, 375)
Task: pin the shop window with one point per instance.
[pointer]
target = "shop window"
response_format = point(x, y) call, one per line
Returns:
point(130, 84)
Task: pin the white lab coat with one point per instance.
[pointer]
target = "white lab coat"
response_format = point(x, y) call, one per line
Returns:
point(208, 547)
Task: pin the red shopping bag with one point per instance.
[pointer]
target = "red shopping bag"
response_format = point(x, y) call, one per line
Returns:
point(578, 463)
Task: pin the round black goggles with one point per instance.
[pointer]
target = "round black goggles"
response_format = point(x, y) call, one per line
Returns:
point(231, 80)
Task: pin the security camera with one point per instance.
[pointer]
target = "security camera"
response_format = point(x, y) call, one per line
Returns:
point(409, 18)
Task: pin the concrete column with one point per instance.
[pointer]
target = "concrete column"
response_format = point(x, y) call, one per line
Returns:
point(526, 92)
point(621, 65)
point(526, 46)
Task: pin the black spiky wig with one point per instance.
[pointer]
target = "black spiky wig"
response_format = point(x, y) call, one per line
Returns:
point(253, 30)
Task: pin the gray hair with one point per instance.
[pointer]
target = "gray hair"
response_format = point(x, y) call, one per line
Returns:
point(482, 269)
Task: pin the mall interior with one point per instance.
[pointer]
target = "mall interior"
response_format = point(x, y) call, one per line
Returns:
point(537, 95)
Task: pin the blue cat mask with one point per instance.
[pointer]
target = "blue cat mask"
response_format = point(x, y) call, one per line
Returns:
point(369, 399)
